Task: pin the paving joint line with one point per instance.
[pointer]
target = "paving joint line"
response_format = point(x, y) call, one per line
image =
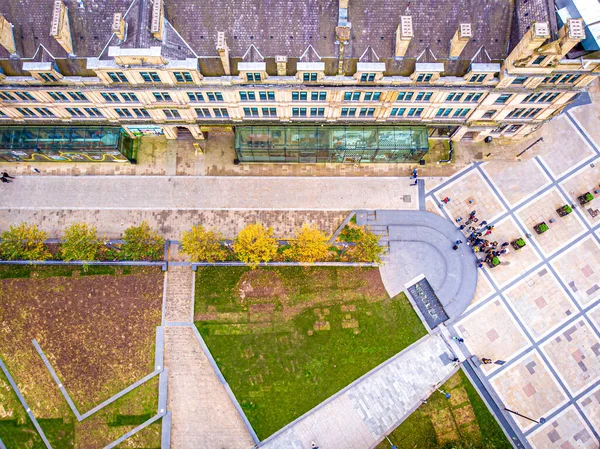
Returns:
point(582, 132)
point(540, 352)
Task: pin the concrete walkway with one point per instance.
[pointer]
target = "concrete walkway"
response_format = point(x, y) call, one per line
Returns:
point(202, 413)
point(207, 193)
point(359, 416)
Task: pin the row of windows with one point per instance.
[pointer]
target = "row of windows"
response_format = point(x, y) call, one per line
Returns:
point(523, 113)
point(456, 113)
point(540, 97)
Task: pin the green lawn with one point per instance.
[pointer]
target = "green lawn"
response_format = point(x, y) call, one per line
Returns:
point(287, 338)
point(463, 421)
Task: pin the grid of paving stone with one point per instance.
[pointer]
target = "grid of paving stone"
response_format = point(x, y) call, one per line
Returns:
point(539, 311)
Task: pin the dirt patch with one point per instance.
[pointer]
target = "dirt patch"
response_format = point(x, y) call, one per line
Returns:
point(372, 286)
point(464, 415)
point(260, 284)
point(97, 331)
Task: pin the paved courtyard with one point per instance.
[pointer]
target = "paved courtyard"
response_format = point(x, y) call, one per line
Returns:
point(538, 312)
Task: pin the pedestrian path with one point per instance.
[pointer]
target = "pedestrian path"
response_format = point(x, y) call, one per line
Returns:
point(203, 414)
point(180, 299)
point(359, 416)
point(133, 193)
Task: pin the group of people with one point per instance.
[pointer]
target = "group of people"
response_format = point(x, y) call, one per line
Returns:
point(476, 237)
point(6, 177)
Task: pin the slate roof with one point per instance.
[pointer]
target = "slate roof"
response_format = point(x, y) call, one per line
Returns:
point(277, 27)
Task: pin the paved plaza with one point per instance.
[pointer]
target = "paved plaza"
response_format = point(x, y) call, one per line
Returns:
point(538, 312)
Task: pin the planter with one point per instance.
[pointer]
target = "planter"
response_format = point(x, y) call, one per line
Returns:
point(564, 210)
point(518, 244)
point(541, 228)
point(493, 262)
point(585, 198)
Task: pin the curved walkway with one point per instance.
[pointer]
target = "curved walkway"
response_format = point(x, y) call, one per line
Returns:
point(420, 244)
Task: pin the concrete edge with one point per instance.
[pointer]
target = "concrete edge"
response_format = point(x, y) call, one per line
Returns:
point(347, 387)
point(24, 404)
point(507, 424)
point(2, 446)
point(195, 265)
point(164, 301)
point(165, 437)
point(193, 296)
point(217, 371)
point(341, 227)
point(80, 262)
point(133, 431)
point(61, 387)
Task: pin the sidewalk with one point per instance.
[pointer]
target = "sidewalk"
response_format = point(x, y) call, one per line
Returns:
point(361, 415)
point(208, 193)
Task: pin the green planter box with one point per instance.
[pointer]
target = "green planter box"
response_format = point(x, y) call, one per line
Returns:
point(541, 228)
point(518, 244)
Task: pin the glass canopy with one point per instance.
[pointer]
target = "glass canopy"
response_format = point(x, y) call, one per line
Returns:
point(65, 143)
point(350, 144)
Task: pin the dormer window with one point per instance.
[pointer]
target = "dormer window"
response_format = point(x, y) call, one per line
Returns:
point(150, 77)
point(427, 72)
point(424, 77)
point(253, 72)
point(46, 72)
point(520, 80)
point(310, 72)
point(538, 61)
point(369, 72)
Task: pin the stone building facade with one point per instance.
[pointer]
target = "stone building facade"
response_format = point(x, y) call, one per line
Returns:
point(466, 70)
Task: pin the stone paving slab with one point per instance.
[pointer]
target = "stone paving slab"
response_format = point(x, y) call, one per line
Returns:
point(209, 193)
point(529, 387)
point(579, 268)
point(516, 181)
point(590, 404)
point(203, 416)
point(575, 353)
point(566, 431)
point(362, 414)
point(563, 147)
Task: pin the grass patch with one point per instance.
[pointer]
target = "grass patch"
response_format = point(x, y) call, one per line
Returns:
point(97, 327)
point(463, 421)
point(287, 338)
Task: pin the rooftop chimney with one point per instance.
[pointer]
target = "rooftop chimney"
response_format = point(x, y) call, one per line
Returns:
point(570, 35)
point(460, 40)
point(531, 41)
point(223, 51)
point(7, 36)
point(404, 33)
point(281, 62)
point(60, 30)
point(118, 26)
point(158, 19)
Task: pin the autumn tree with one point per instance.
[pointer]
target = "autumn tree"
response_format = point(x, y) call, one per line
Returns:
point(310, 245)
point(203, 245)
point(366, 247)
point(24, 242)
point(80, 242)
point(142, 243)
point(255, 244)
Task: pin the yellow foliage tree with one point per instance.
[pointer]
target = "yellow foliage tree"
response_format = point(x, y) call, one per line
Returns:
point(203, 245)
point(310, 245)
point(255, 244)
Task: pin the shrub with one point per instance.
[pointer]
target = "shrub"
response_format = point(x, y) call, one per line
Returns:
point(588, 197)
point(203, 246)
point(255, 244)
point(310, 245)
point(142, 243)
point(351, 233)
point(520, 242)
point(80, 243)
point(367, 248)
point(567, 209)
point(495, 261)
point(24, 242)
point(542, 227)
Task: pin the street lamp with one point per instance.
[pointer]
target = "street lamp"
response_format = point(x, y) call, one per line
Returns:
point(541, 421)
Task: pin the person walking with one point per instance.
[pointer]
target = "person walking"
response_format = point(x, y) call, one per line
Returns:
point(486, 361)
point(458, 242)
point(446, 200)
point(455, 247)
point(505, 244)
point(5, 179)
point(488, 232)
point(6, 175)
point(35, 170)
point(415, 174)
